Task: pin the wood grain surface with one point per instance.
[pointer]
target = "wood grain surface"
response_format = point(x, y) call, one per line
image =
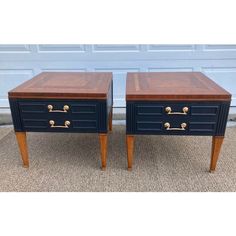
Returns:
point(88, 85)
point(173, 86)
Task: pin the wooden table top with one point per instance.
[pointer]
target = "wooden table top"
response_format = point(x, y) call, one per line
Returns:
point(87, 85)
point(192, 86)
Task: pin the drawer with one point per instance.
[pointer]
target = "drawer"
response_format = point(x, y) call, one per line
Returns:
point(58, 107)
point(59, 116)
point(153, 117)
point(176, 109)
point(175, 128)
point(60, 125)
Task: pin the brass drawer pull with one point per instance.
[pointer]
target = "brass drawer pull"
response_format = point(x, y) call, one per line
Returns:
point(65, 109)
point(52, 123)
point(169, 111)
point(167, 126)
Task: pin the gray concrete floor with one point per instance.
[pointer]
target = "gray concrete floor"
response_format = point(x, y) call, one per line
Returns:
point(71, 162)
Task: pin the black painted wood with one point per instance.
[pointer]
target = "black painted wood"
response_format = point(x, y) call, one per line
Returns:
point(222, 119)
point(130, 118)
point(203, 118)
point(16, 115)
point(103, 117)
point(85, 116)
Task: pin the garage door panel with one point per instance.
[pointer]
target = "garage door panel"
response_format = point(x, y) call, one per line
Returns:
point(20, 62)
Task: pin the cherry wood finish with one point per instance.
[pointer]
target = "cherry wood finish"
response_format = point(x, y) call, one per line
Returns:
point(130, 150)
point(65, 85)
point(149, 96)
point(63, 102)
point(215, 151)
point(103, 148)
point(22, 143)
point(174, 86)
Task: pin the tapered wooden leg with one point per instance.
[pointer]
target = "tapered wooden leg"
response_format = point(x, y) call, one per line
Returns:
point(130, 150)
point(215, 151)
point(103, 148)
point(110, 121)
point(22, 143)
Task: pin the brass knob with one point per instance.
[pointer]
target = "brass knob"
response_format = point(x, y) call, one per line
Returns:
point(67, 123)
point(52, 122)
point(185, 109)
point(168, 109)
point(50, 107)
point(167, 125)
point(66, 108)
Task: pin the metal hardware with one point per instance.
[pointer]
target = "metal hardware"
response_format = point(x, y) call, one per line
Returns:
point(169, 111)
point(65, 108)
point(167, 126)
point(66, 124)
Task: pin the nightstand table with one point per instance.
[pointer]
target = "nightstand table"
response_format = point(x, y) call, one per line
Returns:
point(67, 102)
point(175, 103)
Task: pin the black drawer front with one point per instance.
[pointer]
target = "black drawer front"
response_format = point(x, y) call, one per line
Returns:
point(60, 125)
point(57, 107)
point(192, 128)
point(201, 118)
point(206, 110)
point(149, 110)
point(161, 110)
point(38, 115)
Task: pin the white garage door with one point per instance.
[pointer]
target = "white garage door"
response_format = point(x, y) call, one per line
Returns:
point(19, 63)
